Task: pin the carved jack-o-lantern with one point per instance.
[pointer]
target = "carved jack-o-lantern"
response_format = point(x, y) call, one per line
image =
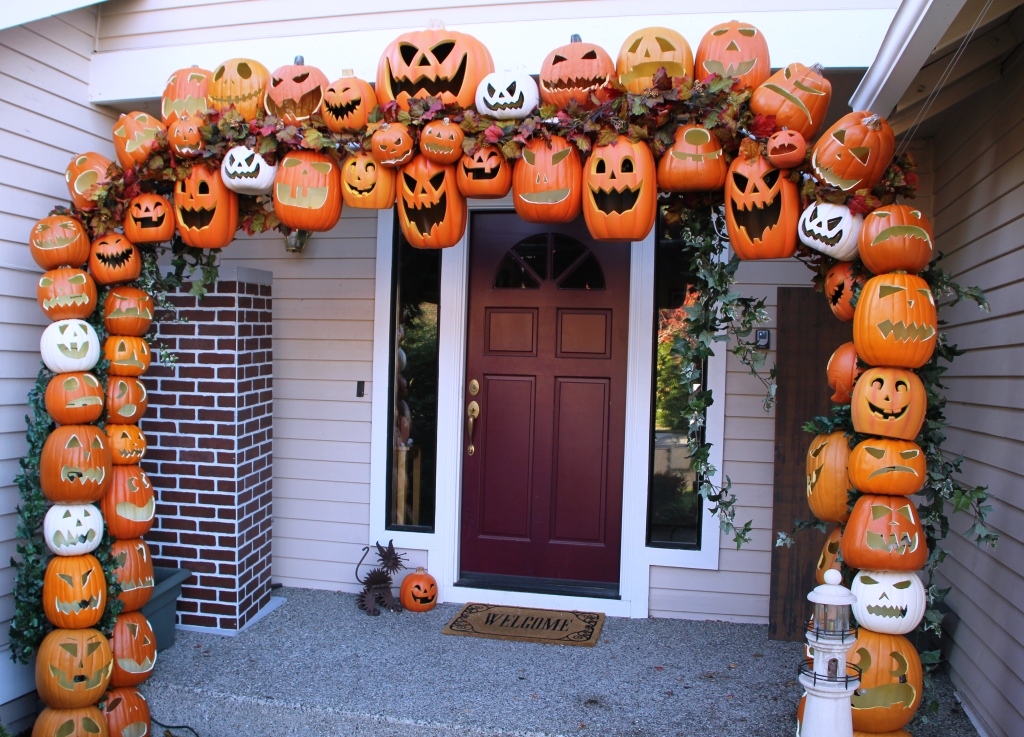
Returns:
point(307, 191)
point(126, 712)
point(245, 171)
point(797, 96)
point(575, 71)
point(829, 558)
point(86, 171)
point(890, 602)
point(831, 229)
point(185, 137)
point(366, 184)
point(761, 210)
point(205, 210)
point(58, 240)
point(695, 163)
point(86, 721)
point(127, 444)
point(348, 103)
point(888, 466)
point(828, 482)
point(129, 506)
point(890, 402)
point(431, 209)
point(884, 533)
point(842, 372)
point(127, 311)
point(441, 141)
point(646, 51)
point(547, 182)
point(66, 293)
point(73, 668)
point(896, 322)
point(185, 93)
point(295, 92)
point(74, 398)
point(786, 149)
point(114, 259)
point(128, 355)
point(620, 201)
point(238, 84)
point(733, 49)
point(75, 465)
point(134, 646)
point(891, 681)
point(392, 145)
point(135, 136)
point(69, 345)
point(133, 569)
point(839, 288)
point(74, 591)
point(896, 238)
point(149, 219)
point(484, 175)
point(72, 529)
point(854, 153)
point(507, 95)
point(127, 401)
point(435, 62)
point(419, 591)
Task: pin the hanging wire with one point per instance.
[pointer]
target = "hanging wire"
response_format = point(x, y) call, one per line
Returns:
point(167, 728)
point(922, 113)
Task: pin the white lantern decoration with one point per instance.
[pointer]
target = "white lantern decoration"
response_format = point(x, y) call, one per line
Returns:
point(890, 602)
point(507, 95)
point(69, 345)
point(245, 171)
point(830, 229)
point(73, 529)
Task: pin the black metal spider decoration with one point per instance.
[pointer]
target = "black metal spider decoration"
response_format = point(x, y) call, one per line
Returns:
point(377, 583)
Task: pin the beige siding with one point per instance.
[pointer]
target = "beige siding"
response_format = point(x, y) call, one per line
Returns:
point(979, 204)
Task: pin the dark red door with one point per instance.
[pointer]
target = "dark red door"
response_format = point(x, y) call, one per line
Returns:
point(546, 348)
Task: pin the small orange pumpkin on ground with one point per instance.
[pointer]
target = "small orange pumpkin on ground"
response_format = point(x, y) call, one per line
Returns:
point(86, 721)
point(419, 591)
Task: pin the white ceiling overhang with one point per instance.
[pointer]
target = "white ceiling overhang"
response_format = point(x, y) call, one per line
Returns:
point(16, 13)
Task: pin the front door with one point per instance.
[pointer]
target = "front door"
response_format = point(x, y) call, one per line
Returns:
point(546, 391)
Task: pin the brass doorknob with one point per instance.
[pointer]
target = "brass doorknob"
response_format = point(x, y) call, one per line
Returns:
point(472, 412)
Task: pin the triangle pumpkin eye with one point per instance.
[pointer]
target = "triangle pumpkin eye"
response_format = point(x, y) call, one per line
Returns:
point(740, 181)
point(437, 180)
point(410, 182)
point(408, 52)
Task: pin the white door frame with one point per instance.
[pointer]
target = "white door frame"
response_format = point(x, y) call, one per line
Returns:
point(442, 546)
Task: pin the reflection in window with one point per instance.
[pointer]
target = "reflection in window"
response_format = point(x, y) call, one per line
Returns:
point(675, 507)
point(528, 263)
point(413, 443)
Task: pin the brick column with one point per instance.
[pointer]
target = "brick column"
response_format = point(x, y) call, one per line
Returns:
point(209, 428)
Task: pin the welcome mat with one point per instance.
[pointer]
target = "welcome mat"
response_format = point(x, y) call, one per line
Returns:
point(526, 625)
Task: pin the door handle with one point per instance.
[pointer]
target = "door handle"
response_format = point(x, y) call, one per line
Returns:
point(472, 412)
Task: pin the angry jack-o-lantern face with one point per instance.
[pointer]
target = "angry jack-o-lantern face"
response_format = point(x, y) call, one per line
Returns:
point(890, 602)
point(74, 591)
point(58, 241)
point(238, 84)
point(134, 646)
point(507, 95)
point(127, 311)
point(761, 210)
point(441, 141)
point(431, 209)
point(129, 506)
point(619, 200)
point(890, 402)
point(245, 171)
point(831, 229)
point(69, 345)
point(896, 238)
point(127, 401)
point(75, 465)
point(128, 355)
point(888, 466)
point(798, 97)
point(307, 191)
point(839, 288)
point(366, 184)
point(149, 219)
point(72, 529)
point(295, 92)
point(392, 145)
point(734, 49)
point(884, 533)
point(547, 182)
point(828, 482)
point(786, 149)
point(86, 721)
point(126, 712)
point(896, 322)
point(66, 293)
point(205, 210)
point(133, 569)
point(891, 681)
point(575, 72)
point(85, 172)
point(185, 137)
point(135, 136)
point(74, 398)
point(185, 94)
point(646, 51)
point(695, 163)
point(348, 103)
point(114, 259)
point(829, 558)
point(854, 153)
point(73, 668)
point(127, 444)
point(484, 175)
point(842, 372)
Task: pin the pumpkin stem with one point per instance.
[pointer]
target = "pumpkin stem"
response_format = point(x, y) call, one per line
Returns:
point(818, 69)
point(345, 73)
point(420, 569)
point(575, 38)
point(299, 60)
point(436, 24)
point(873, 121)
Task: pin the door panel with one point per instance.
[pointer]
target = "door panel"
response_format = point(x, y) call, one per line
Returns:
point(581, 457)
point(509, 421)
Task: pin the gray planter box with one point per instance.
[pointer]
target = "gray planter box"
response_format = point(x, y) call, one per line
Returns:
point(159, 610)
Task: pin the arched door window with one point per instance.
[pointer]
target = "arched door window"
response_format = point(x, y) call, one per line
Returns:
point(549, 258)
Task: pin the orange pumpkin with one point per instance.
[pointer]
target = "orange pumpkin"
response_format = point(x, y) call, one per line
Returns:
point(484, 175)
point(419, 591)
point(127, 401)
point(126, 712)
point(842, 372)
point(348, 103)
point(129, 506)
point(896, 238)
point(185, 137)
point(127, 444)
point(829, 558)
point(75, 465)
point(828, 480)
point(135, 137)
point(798, 97)
point(620, 196)
point(891, 681)
point(127, 311)
point(133, 569)
point(441, 141)
point(114, 259)
point(149, 219)
point(646, 51)
point(128, 355)
point(896, 322)
point(890, 402)
point(786, 149)
point(392, 145)
point(66, 294)
point(73, 668)
point(238, 84)
point(84, 173)
point(431, 209)
point(575, 72)
point(547, 182)
point(295, 92)
point(839, 289)
point(86, 721)
point(365, 184)
point(134, 647)
point(57, 241)
point(185, 93)
point(762, 208)
point(884, 533)
point(733, 49)
point(887, 466)
point(74, 591)
point(205, 210)
point(854, 153)
point(74, 398)
point(695, 163)
point(307, 191)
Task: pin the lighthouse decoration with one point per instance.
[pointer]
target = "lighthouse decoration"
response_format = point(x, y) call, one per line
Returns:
point(829, 680)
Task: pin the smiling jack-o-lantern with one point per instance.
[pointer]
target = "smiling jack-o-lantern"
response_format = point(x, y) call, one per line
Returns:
point(75, 465)
point(798, 97)
point(74, 591)
point(646, 51)
point(761, 210)
point(134, 646)
point(58, 240)
point(69, 345)
point(74, 399)
point(128, 355)
point(620, 201)
point(431, 209)
point(127, 311)
point(891, 681)
point(126, 712)
point(238, 84)
point(149, 219)
point(73, 668)
point(135, 136)
point(890, 402)
point(419, 591)
point(86, 171)
point(86, 721)
point(307, 191)
point(507, 95)
point(733, 49)
point(348, 103)
point(133, 569)
point(72, 529)
point(484, 175)
point(896, 322)
point(435, 62)
point(575, 72)
point(884, 533)
point(127, 444)
point(366, 184)
point(295, 92)
point(854, 153)
point(786, 149)
point(890, 602)
point(547, 182)
point(896, 238)
point(695, 163)
point(205, 210)
point(888, 466)
point(441, 141)
point(129, 506)
point(831, 229)
point(828, 481)
point(114, 259)
point(842, 372)
point(127, 401)
point(839, 287)
point(829, 558)
point(185, 93)
point(66, 294)
point(246, 171)
point(392, 145)
point(185, 137)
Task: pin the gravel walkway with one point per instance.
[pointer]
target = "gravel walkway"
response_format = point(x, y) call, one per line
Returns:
point(317, 666)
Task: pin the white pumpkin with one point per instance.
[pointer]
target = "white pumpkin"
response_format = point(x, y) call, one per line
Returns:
point(245, 171)
point(507, 95)
point(73, 529)
point(69, 345)
point(830, 229)
point(891, 602)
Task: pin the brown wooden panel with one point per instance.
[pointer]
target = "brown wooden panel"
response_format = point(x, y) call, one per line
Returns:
point(508, 421)
point(584, 334)
point(511, 331)
point(581, 456)
point(807, 335)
